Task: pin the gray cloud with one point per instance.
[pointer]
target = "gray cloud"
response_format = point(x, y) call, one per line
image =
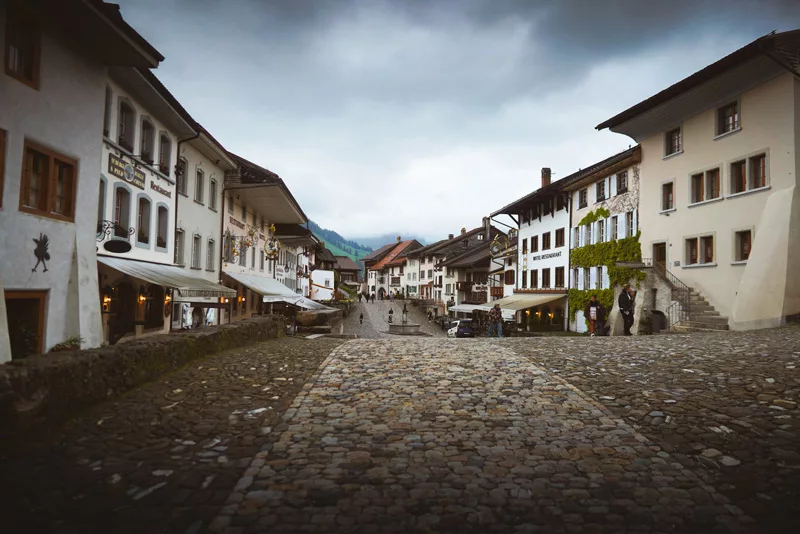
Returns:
point(422, 116)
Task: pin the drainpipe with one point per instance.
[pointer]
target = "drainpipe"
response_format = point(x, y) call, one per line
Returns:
point(177, 199)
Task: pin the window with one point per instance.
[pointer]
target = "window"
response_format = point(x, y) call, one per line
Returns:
point(163, 228)
point(559, 277)
point(667, 196)
point(614, 232)
point(673, 142)
point(576, 238)
point(122, 212)
point(48, 184)
point(630, 224)
point(583, 198)
point(199, 186)
point(210, 255)
point(147, 141)
point(3, 163)
point(179, 245)
point(261, 260)
point(622, 182)
point(588, 235)
point(601, 231)
point(700, 250)
point(196, 252)
point(230, 204)
point(705, 186)
point(546, 241)
point(524, 280)
point(244, 213)
point(600, 191)
point(587, 278)
point(509, 278)
point(744, 241)
point(212, 195)
point(525, 246)
point(534, 278)
point(712, 184)
point(107, 112)
point(545, 278)
point(535, 243)
point(738, 177)
point(728, 118)
point(758, 171)
point(181, 179)
point(575, 274)
point(143, 231)
point(101, 199)
point(127, 126)
point(243, 257)
point(262, 224)
point(164, 153)
point(22, 47)
point(560, 237)
point(430, 274)
point(253, 259)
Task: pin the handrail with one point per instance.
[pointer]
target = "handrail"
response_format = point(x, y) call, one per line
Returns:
point(680, 308)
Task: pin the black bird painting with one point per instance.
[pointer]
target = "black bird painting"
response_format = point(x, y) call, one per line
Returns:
point(42, 256)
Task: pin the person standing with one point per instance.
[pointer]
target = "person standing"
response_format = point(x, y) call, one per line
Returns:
point(391, 315)
point(590, 313)
point(496, 321)
point(600, 322)
point(625, 303)
point(361, 318)
point(359, 298)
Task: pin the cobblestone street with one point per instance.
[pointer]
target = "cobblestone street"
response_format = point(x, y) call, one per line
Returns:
point(674, 433)
point(376, 320)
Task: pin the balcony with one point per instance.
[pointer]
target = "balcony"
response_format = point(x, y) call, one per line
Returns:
point(394, 281)
point(476, 298)
point(497, 291)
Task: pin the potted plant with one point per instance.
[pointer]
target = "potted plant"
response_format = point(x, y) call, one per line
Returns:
point(72, 343)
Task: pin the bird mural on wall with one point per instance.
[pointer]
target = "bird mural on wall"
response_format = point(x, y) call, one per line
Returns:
point(41, 253)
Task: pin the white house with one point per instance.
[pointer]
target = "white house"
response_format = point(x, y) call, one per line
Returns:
point(540, 297)
point(51, 116)
point(322, 284)
point(604, 199)
point(719, 201)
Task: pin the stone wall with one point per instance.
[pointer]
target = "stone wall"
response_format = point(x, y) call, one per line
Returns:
point(42, 390)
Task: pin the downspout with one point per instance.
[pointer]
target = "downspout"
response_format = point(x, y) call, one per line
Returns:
point(177, 199)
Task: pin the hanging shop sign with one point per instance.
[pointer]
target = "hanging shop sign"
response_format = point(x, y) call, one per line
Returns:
point(127, 171)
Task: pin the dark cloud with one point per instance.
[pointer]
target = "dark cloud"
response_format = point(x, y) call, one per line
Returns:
point(447, 107)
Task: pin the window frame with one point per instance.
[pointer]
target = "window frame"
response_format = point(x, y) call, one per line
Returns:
point(736, 245)
point(535, 243)
point(545, 278)
point(559, 270)
point(117, 209)
point(159, 207)
point(210, 253)
point(614, 228)
point(199, 185)
point(629, 225)
point(668, 144)
point(147, 147)
point(583, 198)
point(181, 180)
point(16, 20)
point(671, 184)
point(601, 231)
point(197, 244)
point(559, 237)
point(696, 244)
point(587, 278)
point(164, 155)
point(622, 176)
point(534, 276)
point(142, 197)
point(719, 129)
point(46, 188)
point(598, 271)
point(600, 191)
point(122, 128)
point(546, 241)
point(701, 177)
point(212, 194)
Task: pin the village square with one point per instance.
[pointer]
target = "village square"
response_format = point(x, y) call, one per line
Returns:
point(612, 349)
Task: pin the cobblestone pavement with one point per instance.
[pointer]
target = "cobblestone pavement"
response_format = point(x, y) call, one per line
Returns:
point(376, 325)
point(723, 404)
point(164, 457)
point(424, 435)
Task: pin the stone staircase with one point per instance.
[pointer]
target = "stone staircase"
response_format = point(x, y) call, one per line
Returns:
point(702, 316)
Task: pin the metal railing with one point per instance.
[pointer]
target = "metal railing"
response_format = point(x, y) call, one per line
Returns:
point(680, 309)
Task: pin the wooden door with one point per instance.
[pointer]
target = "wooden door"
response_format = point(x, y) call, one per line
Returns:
point(660, 255)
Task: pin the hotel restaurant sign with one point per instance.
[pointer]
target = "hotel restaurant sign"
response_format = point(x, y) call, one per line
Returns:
point(121, 169)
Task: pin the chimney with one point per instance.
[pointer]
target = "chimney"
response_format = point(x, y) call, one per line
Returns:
point(463, 230)
point(487, 228)
point(545, 176)
point(450, 236)
point(398, 239)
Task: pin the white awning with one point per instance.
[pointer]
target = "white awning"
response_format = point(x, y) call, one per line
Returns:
point(297, 300)
point(522, 301)
point(262, 285)
point(469, 308)
point(170, 276)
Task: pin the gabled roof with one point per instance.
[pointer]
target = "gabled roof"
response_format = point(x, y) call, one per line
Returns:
point(250, 174)
point(398, 248)
point(445, 244)
point(564, 183)
point(469, 259)
point(402, 256)
point(345, 263)
point(113, 14)
point(380, 253)
point(323, 254)
point(783, 48)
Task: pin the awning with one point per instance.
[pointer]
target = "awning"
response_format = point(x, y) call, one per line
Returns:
point(262, 285)
point(469, 308)
point(298, 300)
point(522, 301)
point(168, 276)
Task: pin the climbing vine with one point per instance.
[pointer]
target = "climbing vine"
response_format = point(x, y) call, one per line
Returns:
point(579, 297)
point(592, 216)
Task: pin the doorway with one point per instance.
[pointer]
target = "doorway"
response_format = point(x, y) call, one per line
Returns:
point(25, 311)
point(660, 255)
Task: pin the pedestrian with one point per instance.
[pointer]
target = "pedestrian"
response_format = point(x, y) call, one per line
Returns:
point(359, 298)
point(405, 314)
point(590, 313)
point(361, 318)
point(373, 298)
point(391, 315)
point(626, 306)
point(496, 321)
point(600, 323)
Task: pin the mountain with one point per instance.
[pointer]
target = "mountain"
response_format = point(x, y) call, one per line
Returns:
point(378, 241)
point(338, 244)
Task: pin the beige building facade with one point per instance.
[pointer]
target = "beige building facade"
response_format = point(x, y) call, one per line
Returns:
point(718, 201)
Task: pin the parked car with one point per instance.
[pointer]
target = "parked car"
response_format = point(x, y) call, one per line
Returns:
point(461, 328)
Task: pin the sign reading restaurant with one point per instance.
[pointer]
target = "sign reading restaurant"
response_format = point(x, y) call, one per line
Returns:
point(119, 168)
point(546, 256)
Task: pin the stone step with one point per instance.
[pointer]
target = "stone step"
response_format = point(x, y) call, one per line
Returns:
point(704, 325)
point(703, 308)
point(683, 329)
point(711, 319)
point(699, 300)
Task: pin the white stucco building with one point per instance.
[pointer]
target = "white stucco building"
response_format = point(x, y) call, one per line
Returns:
point(719, 201)
point(51, 119)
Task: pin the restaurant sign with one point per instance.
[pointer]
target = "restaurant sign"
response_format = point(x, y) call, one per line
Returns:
point(546, 256)
point(119, 168)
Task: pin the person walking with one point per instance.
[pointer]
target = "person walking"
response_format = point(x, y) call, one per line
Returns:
point(496, 321)
point(590, 313)
point(361, 318)
point(391, 315)
point(373, 298)
point(359, 298)
point(625, 303)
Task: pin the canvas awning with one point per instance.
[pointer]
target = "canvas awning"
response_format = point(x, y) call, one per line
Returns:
point(469, 308)
point(170, 276)
point(297, 300)
point(522, 301)
point(262, 285)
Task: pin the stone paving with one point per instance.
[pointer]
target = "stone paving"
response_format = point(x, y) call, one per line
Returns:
point(422, 435)
point(163, 458)
point(376, 325)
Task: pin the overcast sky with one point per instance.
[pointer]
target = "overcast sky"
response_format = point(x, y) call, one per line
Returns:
point(422, 116)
